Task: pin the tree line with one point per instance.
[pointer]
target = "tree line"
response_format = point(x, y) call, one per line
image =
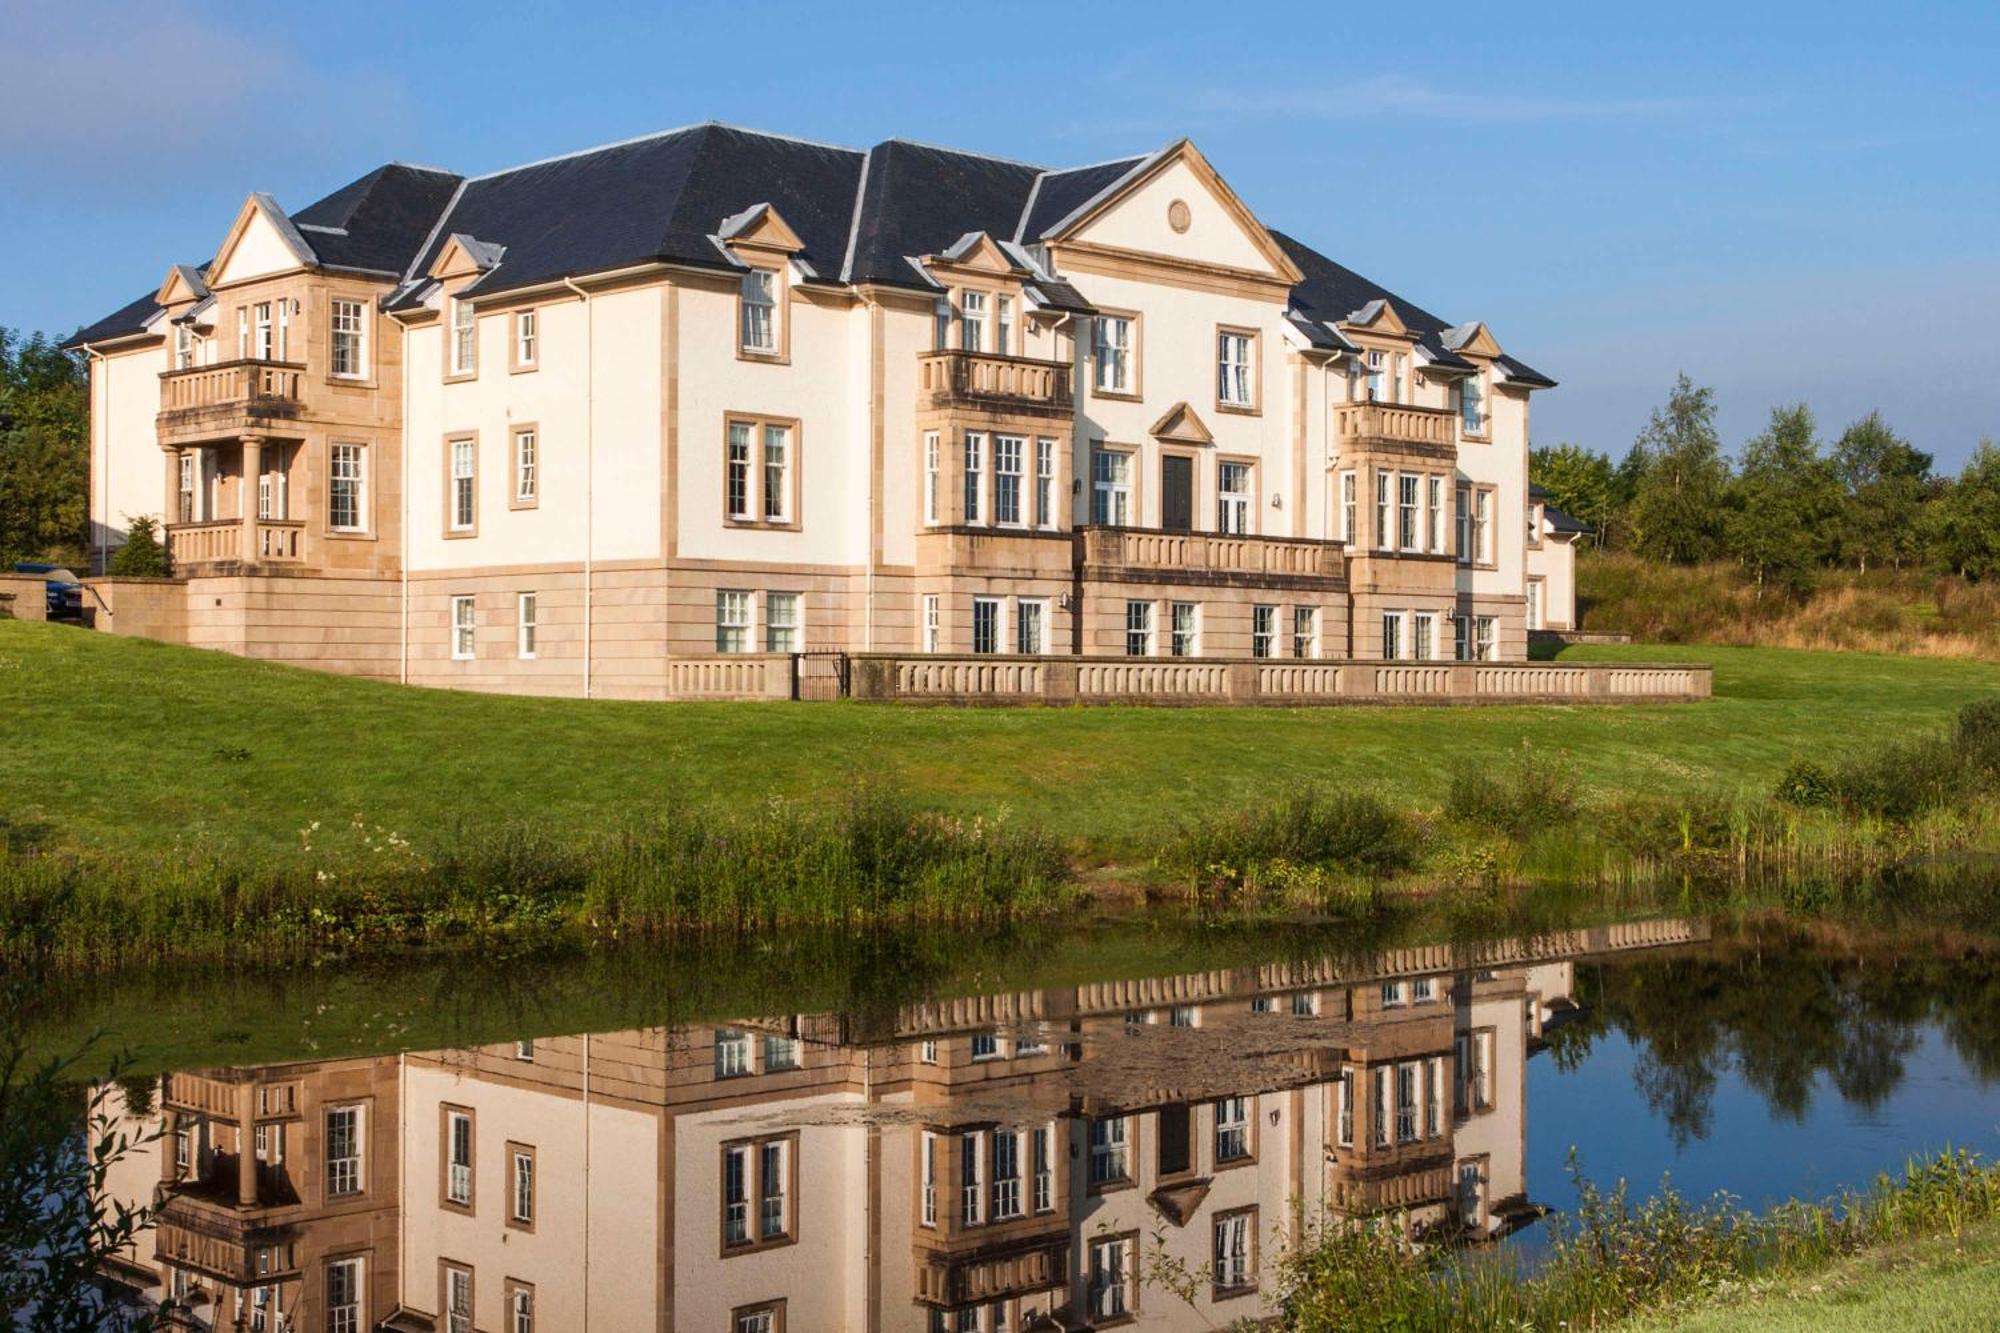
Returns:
point(1789, 505)
point(44, 451)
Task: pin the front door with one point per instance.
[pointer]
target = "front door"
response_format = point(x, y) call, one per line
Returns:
point(1176, 493)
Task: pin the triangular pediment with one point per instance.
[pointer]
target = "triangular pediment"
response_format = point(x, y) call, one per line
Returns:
point(1178, 1202)
point(1473, 339)
point(462, 256)
point(1182, 425)
point(182, 284)
point(261, 242)
point(976, 252)
point(760, 227)
point(1378, 316)
point(1176, 206)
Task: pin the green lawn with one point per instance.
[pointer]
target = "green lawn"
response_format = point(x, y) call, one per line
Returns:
point(1931, 1284)
point(123, 743)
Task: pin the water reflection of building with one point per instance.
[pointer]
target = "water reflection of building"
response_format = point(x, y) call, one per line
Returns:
point(1068, 1157)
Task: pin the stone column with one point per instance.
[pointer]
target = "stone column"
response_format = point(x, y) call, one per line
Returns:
point(170, 504)
point(170, 1123)
point(253, 468)
point(246, 1145)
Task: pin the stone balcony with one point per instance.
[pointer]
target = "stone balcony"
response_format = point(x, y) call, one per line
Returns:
point(1177, 554)
point(1396, 428)
point(986, 1270)
point(223, 401)
point(234, 1244)
point(1012, 385)
point(235, 542)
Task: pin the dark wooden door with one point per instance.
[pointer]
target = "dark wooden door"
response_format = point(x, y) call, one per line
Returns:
point(1176, 493)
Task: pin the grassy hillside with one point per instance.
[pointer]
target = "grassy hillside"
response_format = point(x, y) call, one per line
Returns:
point(1884, 610)
point(122, 744)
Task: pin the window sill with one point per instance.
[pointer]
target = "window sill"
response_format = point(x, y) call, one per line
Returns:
point(524, 368)
point(353, 382)
point(1240, 409)
point(1233, 1293)
point(1236, 1163)
point(349, 535)
point(460, 534)
point(762, 525)
point(461, 376)
point(1115, 395)
point(1110, 1186)
point(533, 503)
point(744, 1247)
point(766, 358)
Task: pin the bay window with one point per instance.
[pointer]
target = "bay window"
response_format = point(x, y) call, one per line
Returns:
point(975, 453)
point(1007, 450)
point(1045, 483)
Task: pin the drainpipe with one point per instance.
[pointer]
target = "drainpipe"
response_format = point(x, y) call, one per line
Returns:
point(403, 524)
point(589, 470)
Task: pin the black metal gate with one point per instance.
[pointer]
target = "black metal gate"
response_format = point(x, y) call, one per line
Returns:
point(818, 676)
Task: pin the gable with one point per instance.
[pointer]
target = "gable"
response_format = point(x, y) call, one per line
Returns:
point(1474, 339)
point(1183, 425)
point(258, 246)
point(181, 285)
point(976, 252)
point(1378, 316)
point(463, 255)
point(760, 227)
point(1181, 209)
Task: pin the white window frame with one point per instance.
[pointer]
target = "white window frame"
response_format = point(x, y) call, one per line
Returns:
point(775, 472)
point(1138, 629)
point(1003, 324)
point(521, 1197)
point(932, 478)
point(1393, 623)
point(464, 498)
point(1186, 629)
point(527, 466)
point(1409, 500)
point(735, 620)
point(1236, 362)
point(1385, 532)
point(464, 337)
point(343, 1295)
point(527, 625)
point(344, 1175)
point(993, 610)
point(1423, 636)
point(1263, 630)
point(783, 633)
point(1434, 514)
point(1111, 1275)
point(464, 628)
point(972, 321)
point(348, 340)
point(184, 347)
point(933, 621)
point(1472, 414)
point(757, 332)
point(927, 1178)
point(527, 338)
point(458, 1174)
point(1234, 505)
point(1009, 486)
point(1045, 482)
point(1232, 1129)
point(1462, 521)
point(1482, 638)
point(1031, 626)
point(1349, 518)
point(739, 438)
point(732, 1052)
point(1305, 631)
point(975, 470)
point(1232, 1251)
point(1111, 487)
point(1111, 353)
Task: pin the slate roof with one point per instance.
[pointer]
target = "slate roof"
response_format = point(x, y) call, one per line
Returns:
point(1557, 520)
point(861, 216)
point(376, 223)
point(127, 319)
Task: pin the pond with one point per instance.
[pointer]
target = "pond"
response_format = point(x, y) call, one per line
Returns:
point(1080, 1123)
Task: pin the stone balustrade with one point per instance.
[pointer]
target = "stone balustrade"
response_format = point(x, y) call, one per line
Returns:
point(956, 378)
point(1357, 424)
point(1224, 553)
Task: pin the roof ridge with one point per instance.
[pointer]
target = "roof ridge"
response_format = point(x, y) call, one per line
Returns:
point(444, 216)
point(418, 166)
point(854, 220)
point(663, 134)
point(964, 152)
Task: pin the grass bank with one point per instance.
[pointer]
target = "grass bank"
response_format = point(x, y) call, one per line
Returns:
point(1884, 610)
point(1613, 1260)
point(162, 801)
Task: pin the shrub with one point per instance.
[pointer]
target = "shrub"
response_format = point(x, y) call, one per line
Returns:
point(1805, 784)
point(1978, 735)
point(1902, 780)
point(1660, 828)
point(1539, 794)
point(141, 556)
point(1306, 827)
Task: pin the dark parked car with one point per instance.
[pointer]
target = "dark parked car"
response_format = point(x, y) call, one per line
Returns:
point(64, 592)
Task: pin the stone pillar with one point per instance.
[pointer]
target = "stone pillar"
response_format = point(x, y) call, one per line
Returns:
point(170, 1123)
point(253, 468)
point(246, 1144)
point(170, 502)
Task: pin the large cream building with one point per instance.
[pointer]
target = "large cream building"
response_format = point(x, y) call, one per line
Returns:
point(609, 422)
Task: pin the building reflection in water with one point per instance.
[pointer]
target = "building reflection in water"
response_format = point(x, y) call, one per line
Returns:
point(994, 1162)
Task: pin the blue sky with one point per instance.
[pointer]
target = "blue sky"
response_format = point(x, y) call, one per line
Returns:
point(1796, 203)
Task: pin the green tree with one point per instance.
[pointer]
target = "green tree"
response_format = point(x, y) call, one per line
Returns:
point(1887, 482)
point(1578, 480)
point(1783, 504)
point(1676, 511)
point(142, 555)
point(1962, 525)
point(44, 450)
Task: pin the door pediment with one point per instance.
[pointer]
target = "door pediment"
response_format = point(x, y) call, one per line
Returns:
point(1182, 425)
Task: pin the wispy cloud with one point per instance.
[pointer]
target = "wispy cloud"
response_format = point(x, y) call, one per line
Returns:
point(1400, 95)
point(99, 99)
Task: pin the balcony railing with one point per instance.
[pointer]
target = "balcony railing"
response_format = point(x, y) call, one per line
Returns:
point(983, 379)
point(254, 385)
point(274, 541)
point(1394, 423)
point(1146, 548)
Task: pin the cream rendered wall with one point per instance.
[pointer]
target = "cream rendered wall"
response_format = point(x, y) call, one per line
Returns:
point(620, 406)
point(1500, 1133)
point(1139, 222)
point(812, 1275)
point(1176, 363)
point(1554, 563)
point(587, 1231)
point(1502, 463)
point(128, 471)
point(815, 389)
point(907, 333)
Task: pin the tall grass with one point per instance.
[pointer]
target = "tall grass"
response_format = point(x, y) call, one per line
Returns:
point(1883, 610)
point(1612, 1258)
point(876, 859)
point(1308, 848)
